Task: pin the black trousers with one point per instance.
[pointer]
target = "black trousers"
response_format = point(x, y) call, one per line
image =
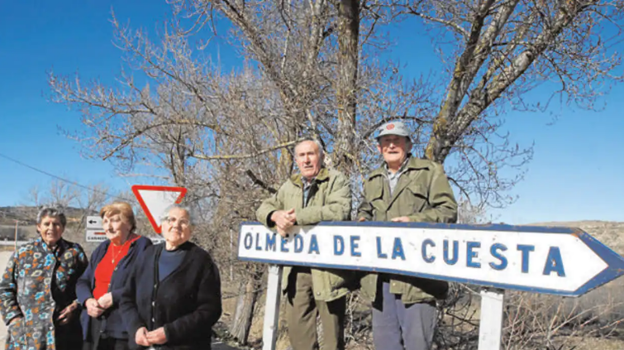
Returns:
point(98, 340)
point(69, 336)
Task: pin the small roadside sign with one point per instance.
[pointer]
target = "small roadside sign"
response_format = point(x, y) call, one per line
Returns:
point(94, 223)
point(96, 235)
point(95, 231)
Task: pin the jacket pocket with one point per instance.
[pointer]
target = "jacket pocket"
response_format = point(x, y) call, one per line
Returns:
point(17, 334)
point(374, 192)
point(417, 198)
point(374, 196)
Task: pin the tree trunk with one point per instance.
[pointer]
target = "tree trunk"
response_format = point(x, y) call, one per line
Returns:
point(247, 297)
point(348, 37)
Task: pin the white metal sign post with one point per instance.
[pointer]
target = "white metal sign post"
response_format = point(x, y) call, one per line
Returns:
point(271, 311)
point(491, 324)
point(553, 260)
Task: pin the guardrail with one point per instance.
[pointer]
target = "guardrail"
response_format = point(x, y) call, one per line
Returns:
point(8, 243)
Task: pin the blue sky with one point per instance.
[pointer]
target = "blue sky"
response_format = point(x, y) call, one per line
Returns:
point(576, 173)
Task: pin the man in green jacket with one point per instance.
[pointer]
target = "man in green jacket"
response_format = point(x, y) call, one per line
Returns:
point(316, 194)
point(404, 189)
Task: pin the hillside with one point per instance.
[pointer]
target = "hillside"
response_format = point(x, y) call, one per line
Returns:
point(609, 233)
point(27, 215)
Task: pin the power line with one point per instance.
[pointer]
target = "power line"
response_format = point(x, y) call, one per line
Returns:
point(58, 177)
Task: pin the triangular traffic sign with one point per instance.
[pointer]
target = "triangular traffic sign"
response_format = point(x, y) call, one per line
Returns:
point(155, 199)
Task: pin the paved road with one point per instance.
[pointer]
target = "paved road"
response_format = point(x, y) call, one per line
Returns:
point(4, 257)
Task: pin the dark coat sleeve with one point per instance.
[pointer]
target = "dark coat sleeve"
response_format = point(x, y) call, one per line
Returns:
point(132, 318)
point(208, 310)
point(82, 264)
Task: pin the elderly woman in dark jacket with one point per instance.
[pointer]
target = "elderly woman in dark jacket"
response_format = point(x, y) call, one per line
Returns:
point(100, 287)
point(173, 296)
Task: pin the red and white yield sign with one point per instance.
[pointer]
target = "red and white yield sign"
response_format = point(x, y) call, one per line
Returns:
point(155, 199)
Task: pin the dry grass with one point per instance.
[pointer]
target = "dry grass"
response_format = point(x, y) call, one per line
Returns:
point(597, 344)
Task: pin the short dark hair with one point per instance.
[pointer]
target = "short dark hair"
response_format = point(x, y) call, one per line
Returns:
point(52, 213)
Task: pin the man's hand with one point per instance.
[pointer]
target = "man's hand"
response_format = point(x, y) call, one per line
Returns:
point(67, 313)
point(157, 336)
point(361, 219)
point(93, 308)
point(401, 219)
point(105, 301)
point(284, 220)
point(141, 337)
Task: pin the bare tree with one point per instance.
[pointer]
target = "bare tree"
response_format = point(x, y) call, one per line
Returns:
point(313, 68)
point(346, 90)
point(90, 202)
point(77, 201)
point(34, 196)
point(201, 127)
point(499, 51)
point(57, 193)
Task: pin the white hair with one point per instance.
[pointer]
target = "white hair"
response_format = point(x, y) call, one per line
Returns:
point(165, 214)
point(306, 139)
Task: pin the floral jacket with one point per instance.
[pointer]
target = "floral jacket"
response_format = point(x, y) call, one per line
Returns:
point(38, 283)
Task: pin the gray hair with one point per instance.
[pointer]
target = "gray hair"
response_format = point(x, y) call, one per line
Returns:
point(52, 213)
point(165, 214)
point(306, 139)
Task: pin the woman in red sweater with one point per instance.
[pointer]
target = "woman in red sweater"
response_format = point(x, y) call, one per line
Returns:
point(99, 289)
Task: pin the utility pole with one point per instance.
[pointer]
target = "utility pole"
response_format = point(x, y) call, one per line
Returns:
point(231, 254)
point(16, 226)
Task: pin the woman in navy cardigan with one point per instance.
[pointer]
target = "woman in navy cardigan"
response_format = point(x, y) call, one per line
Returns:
point(99, 288)
point(173, 297)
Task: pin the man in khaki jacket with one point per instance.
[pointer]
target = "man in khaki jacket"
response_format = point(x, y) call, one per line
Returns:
point(316, 194)
point(404, 189)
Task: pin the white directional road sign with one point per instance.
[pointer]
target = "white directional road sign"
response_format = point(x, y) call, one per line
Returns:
point(95, 232)
point(95, 235)
point(554, 260)
point(94, 223)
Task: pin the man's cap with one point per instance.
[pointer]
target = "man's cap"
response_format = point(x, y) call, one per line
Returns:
point(392, 128)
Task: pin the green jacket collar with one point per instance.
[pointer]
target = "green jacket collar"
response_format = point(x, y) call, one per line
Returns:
point(412, 164)
point(322, 176)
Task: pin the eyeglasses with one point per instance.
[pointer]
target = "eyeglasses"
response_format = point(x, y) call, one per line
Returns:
point(182, 222)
